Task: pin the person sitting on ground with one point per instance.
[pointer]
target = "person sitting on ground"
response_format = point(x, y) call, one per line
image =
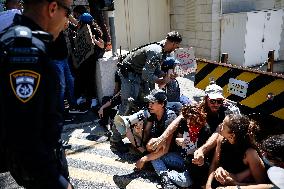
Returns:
point(216, 107)
point(192, 132)
point(237, 159)
point(107, 111)
point(172, 87)
point(159, 120)
point(273, 157)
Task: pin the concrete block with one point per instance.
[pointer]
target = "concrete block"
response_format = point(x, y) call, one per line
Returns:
point(203, 35)
point(180, 26)
point(178, 3)
point(105, 70)
point(178, 10)
point(215, 54)
point(202, 2)
point(209, 2)
point(192, 42)
point(190, 34)
point(199, 26)
point(207, 27)
point(204, 18)
point(203, 53)
point(204, 43)
point(215, 44)
point(206, 9)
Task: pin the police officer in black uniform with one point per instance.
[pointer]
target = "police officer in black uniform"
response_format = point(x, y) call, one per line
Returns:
point(30, 124)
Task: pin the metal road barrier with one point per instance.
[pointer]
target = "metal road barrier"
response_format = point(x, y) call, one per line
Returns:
point(257, 91)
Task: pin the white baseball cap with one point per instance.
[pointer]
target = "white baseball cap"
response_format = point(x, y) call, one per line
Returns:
point(214, 91)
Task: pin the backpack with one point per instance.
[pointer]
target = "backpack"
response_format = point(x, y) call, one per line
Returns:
point(173, 91)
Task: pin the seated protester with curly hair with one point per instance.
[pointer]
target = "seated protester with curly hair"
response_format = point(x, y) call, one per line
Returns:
point(273, 156)
point(192, 132)
point(237, 159)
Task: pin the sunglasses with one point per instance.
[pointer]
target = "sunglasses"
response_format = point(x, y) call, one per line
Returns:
point(214, 101)
point(67, 9)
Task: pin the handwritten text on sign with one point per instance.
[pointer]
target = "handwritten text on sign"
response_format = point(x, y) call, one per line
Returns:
point(84, 45)
point(187, 61)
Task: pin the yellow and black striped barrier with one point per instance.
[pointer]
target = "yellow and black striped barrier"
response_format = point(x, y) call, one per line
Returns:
point(261, 91)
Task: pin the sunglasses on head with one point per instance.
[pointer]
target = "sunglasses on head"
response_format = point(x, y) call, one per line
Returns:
point(214, 101)
point(68, 9)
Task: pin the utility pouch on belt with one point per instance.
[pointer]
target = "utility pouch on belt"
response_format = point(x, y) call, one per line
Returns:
point(123, 69)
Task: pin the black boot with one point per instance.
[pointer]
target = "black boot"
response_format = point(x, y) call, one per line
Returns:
point(119, 146)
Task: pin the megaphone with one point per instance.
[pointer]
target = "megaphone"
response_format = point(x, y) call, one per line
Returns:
point(123, 122)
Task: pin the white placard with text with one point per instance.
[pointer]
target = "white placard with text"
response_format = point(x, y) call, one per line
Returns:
point(237, 87)
point(187, 61)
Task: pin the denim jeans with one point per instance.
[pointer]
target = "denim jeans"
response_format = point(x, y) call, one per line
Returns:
point(173, 164)
point(66, 80)
point(130, 87)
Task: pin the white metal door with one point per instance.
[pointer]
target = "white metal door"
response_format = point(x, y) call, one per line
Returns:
point(272, 32)
point(233, 30)
point(254, 39)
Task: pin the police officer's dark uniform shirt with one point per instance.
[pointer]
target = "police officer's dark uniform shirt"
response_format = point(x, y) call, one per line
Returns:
point(30, 118)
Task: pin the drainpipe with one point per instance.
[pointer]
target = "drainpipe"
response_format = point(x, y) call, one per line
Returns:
point(112, 32)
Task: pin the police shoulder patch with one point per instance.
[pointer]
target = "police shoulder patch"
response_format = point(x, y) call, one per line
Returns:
point(24, 84)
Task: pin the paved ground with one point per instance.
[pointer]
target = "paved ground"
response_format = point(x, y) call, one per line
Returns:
point(93, 165)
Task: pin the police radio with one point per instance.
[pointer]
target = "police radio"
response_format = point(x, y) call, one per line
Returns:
point(22, 45)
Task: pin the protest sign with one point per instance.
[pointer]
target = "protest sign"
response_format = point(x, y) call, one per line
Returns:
point(84, 45)
point(187, 63)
